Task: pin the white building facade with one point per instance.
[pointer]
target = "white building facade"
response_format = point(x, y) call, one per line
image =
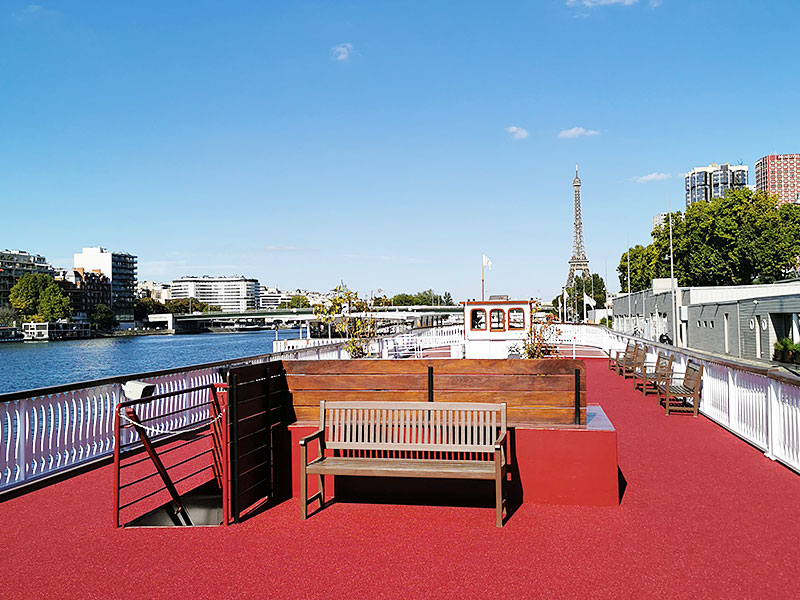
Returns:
point(120, 268)
point(231, 294)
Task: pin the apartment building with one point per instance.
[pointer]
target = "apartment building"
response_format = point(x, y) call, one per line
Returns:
point(232, 294)
point(120, 268)
point(16, 263)
point(779, 175)
point(704, 183)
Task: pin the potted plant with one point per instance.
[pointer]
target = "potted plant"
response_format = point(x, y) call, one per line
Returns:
point(783, 347)
point(794, 352)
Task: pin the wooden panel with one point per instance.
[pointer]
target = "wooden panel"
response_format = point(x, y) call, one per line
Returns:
point(550, 366)
point(357, 382)
point(440, 382)
point(249, 373)
point(313, 397)
point(542, 415)
point(506, 382)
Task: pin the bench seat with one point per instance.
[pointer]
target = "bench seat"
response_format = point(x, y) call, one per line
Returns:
point(403, 467)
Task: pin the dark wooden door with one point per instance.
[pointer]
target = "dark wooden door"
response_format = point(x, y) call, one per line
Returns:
point(256, 401)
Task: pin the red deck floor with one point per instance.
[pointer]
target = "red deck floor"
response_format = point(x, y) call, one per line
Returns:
point(703, 515)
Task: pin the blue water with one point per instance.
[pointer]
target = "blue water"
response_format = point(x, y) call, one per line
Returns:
point(30, 365)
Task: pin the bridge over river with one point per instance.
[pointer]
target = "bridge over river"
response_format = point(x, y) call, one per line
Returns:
point(419, 316)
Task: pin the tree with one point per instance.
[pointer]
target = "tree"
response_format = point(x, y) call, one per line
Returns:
point(346, 312)
point(38, 297)
point(739, 239)
point(53, 304)
point(298, 301)
point(102, 317)
point(8, 316)
point(142, 307)
point(424, 298)
point(183, 306)
point(24, 296)
point(594, 287)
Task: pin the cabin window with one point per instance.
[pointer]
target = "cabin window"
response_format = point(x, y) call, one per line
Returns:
point(497, 319)
point(478, 319)
point(516, 318)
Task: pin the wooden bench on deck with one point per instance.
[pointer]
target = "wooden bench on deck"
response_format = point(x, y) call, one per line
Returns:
point(447, 440)
point(677, 398)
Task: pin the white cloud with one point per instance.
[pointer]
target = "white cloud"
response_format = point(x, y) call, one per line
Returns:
point(652, 177)
point(518, 133)
point(342, 51)
point(593, 3)
point(655, 3)
point(575, 132)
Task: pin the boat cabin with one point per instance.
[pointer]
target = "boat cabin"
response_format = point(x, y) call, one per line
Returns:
point(492, 327)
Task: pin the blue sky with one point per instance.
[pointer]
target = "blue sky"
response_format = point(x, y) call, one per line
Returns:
point(386, 144)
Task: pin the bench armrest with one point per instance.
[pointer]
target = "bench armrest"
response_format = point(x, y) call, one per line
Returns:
point(501, 441)
point(317, 434)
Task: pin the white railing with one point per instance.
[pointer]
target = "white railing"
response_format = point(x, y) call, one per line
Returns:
point(411, 345)
point(437, 337)
point(66, 426)
point(759, 405)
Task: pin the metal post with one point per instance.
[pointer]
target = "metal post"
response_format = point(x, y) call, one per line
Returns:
point(676, 341)
point(430, 384)
point(233, 423)
point(577, 397)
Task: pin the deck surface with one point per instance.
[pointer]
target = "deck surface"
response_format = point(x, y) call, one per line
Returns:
point(703, 514)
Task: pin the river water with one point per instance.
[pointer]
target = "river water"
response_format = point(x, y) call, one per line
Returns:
point(30, 365)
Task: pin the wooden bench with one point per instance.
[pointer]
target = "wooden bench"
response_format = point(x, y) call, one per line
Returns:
point(547, 392)
point(620, 355)
point(450, 440)
point(675, 398)
point(636, 364)
point(651, 380)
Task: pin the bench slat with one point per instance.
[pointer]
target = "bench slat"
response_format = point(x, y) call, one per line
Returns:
point(390, 467)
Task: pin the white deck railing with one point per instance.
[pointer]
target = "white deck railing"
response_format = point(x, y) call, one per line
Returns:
point(758, 404)
point(46, 431)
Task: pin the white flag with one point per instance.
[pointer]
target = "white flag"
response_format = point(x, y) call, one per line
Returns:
point(486, 262)
point(589, 300)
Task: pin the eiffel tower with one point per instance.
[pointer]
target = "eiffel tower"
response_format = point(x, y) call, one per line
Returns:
point(578, 262)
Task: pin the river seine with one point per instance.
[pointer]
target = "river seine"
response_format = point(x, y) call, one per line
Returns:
point(30, 365)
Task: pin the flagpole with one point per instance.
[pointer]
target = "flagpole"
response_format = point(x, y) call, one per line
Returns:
point(482, 285)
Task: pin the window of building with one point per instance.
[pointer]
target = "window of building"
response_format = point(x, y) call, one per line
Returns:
point(478, 318)
point(497, 319)
point(516, 318)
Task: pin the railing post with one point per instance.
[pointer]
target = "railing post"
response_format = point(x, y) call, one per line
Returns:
point(773, 411)
point(25, 439)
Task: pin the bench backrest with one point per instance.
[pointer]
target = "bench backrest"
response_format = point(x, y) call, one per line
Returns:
point(412, 426)
point(663, 368)
point(693, 376)
point(537, 392)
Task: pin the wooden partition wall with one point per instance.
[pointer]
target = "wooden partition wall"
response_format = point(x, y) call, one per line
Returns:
point(536, 392)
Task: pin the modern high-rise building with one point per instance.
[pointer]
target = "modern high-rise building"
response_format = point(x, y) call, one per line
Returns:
point(779, 175)
point(231, 294)
point(704, 183)
point(120, 268)
point(16, 263)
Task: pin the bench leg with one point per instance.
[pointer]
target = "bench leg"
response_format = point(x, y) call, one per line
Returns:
point(498, 493)
point(321, 486)
point(303, 483)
